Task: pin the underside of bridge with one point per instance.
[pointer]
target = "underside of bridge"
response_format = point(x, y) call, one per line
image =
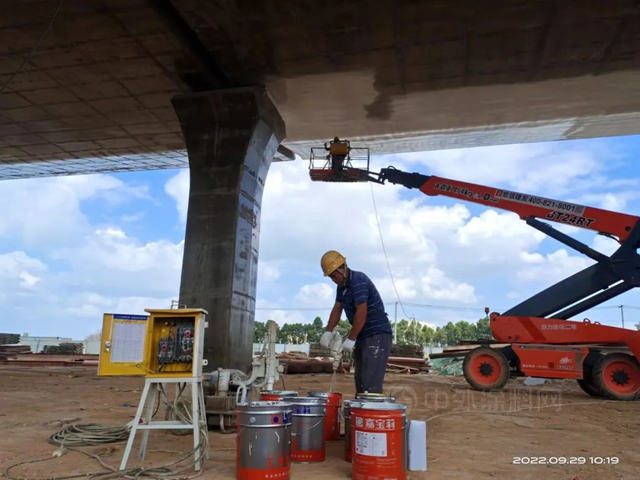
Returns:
point(86, 86)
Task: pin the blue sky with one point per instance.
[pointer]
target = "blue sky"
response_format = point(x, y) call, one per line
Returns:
point(72, 248)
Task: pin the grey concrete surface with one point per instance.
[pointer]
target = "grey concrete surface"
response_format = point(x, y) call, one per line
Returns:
point(231, 137)
point(86, 85)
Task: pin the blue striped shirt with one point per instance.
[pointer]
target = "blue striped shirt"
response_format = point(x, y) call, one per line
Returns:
point(360, 289)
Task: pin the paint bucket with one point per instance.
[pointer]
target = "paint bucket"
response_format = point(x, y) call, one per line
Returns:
point(378, 439)
point(276, 395)
point(346, 411)
point(332, 419)
point(263, 441)
point(307, 429)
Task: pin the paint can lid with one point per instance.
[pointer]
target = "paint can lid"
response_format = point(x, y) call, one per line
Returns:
point(325, 394)
point(375, 397)
point(281, 393)
point(264, 406)
point(380, 406)
point(306, 400)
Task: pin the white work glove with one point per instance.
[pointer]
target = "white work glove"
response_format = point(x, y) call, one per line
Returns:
point(348, 344)
point(325, 339)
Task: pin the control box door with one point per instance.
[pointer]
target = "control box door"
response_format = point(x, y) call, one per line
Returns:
point(122, 347)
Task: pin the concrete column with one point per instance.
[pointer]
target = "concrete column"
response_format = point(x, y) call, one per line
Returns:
point(231, 137)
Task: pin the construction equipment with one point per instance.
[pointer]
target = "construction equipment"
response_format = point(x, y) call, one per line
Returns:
point(542, 342)
point(231, 387)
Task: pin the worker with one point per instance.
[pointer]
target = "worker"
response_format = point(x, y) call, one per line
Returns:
point(338, 152)
point(370, 335)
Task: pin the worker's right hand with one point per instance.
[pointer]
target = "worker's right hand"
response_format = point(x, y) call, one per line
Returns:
point(348, 345)
point(325, 339)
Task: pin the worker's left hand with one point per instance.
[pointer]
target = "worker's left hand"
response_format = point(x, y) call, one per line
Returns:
point(348, 344)
point(325, 339)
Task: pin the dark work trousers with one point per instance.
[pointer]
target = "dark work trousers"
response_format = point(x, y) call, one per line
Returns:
point(370, 360)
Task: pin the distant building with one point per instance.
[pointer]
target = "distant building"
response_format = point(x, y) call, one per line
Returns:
point(37, 344)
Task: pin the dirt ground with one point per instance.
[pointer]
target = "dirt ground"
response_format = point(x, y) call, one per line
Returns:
point(471, 435)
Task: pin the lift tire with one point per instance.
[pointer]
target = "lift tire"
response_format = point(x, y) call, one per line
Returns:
point(486, 369)
point(588, 383)
point(589, 386)
point(618, 376)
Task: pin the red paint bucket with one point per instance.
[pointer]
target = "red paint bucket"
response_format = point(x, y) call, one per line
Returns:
point(378, 440)
point(307, 429)
point(346, 412)
point(275, 395)
point(332, 419)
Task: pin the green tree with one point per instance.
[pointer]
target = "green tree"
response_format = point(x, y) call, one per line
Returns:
point(402, 332)
point(259, 331)
point(294, 333)
point(428, 334)
point(343, 327)
point(439, 336)
point(483, 330)
point(314, 330)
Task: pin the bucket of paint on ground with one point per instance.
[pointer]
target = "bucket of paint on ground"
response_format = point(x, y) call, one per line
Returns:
point(346, 411)
point(276, 395)
point(332, 419)
point(263, 441)
point(307, 429)
point(379, 441)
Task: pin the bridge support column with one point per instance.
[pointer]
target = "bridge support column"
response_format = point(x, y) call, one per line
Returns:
point(231, 138)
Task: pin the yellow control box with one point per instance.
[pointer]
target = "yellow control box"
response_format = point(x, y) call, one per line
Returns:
point(165, 343)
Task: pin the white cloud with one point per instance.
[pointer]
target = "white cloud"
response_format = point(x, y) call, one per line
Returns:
point(435, 285)
point(436, 252)
point(282, 316)
point(73, 268)
point(50, 213)
point(28, 280)
point(268, 272)
point(63, 264)
point(314, 295)
point(531, 168)
point(553, 267)
point(119, 264)
point(605, 245)
point(111, 233)
point(19, 269)
point(178, 188)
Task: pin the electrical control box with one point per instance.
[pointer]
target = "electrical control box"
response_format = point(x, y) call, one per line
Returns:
point(165, 343)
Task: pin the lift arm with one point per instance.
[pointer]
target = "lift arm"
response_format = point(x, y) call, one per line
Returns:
point(609, 277)
point(613, 224)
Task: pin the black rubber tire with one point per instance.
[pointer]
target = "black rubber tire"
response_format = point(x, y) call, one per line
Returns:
point(588, 383)
point(604, 383)
point(589, 386)
point(495, 359)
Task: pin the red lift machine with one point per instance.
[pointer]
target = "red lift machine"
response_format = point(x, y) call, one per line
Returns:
point(542, 341)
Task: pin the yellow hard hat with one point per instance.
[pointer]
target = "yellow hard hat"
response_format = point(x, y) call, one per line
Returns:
point(330, 261)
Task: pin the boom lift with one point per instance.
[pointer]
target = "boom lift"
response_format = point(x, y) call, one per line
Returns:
point(542, 341)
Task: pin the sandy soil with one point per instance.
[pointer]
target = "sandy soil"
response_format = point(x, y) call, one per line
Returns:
point(471, 435)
